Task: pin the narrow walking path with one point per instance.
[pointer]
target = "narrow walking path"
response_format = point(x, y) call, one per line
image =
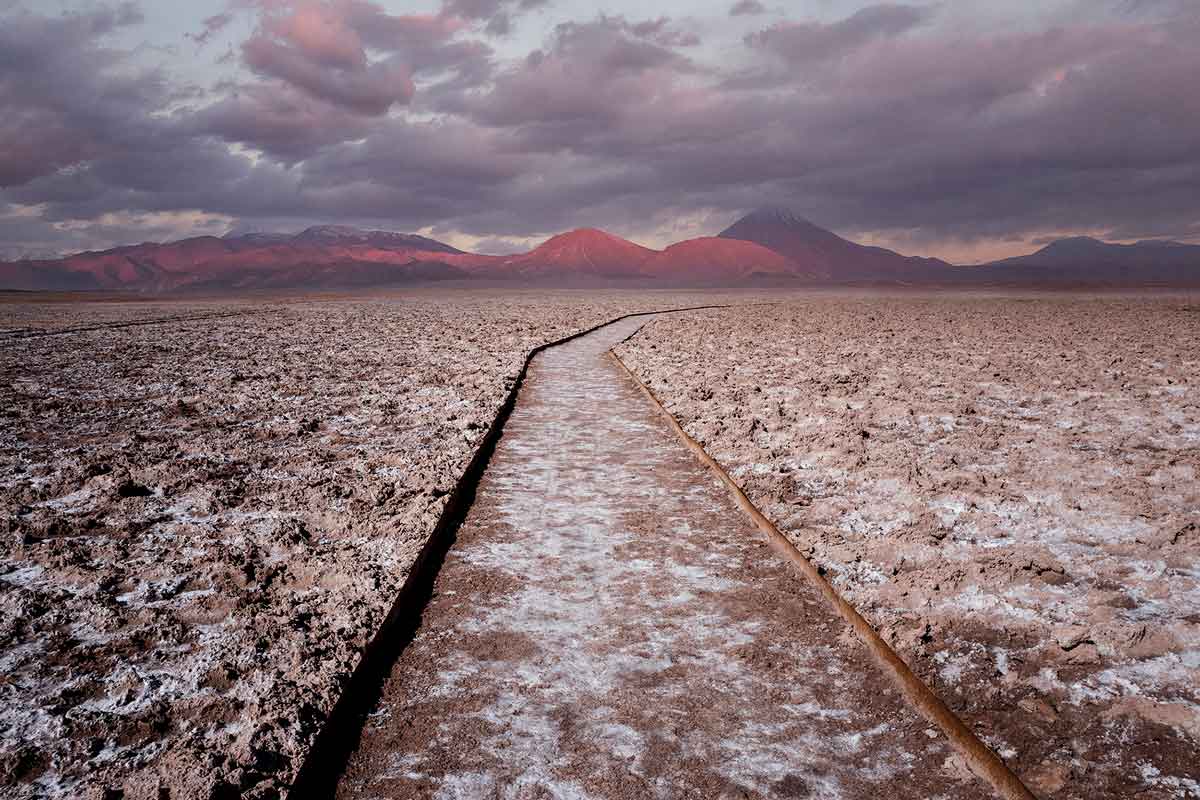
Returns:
point(610, 625)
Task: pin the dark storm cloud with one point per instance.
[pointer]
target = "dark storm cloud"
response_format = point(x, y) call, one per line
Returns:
point(87, 135)
point(283, 123)
point(497, 16)
point(171, 172)
point(1168, 8)
point(313, 49)
point(338, 65)
point(805, 43)
point(592, 80)
point(1056, 130)
point(663, 32)
point(369, 90)
point(884, 120)
point(419, 172)
point(485, 9)
point(746, 8)
point(64, 97)
point(212, 26)
point(957, 134)
point(421, 41)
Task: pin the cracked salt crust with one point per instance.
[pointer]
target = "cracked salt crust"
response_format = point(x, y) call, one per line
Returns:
point(291, 454)
point(623, 570)
point(1071, 489)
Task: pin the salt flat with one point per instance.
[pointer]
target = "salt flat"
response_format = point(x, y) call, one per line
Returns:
point(1008, 488)
point(207, 519)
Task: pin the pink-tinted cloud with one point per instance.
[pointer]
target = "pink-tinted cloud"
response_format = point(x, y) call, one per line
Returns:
point(365, 88)
point(310, 47)
point(353, 55)
point(319, 32)
point(398, 32)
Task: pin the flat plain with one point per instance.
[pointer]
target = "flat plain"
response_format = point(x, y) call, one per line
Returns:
point(209, 507)
point(1008, 488)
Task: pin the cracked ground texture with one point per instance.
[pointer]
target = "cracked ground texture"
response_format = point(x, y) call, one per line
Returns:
point(1008, 489)
point(205, 520)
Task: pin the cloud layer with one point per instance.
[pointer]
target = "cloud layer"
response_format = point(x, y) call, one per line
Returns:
point(896, 120)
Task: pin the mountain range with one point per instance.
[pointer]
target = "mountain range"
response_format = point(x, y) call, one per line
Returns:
point(766, 247)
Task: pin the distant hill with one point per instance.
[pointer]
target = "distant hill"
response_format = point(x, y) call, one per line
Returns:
point(342, 236)
point(769, 246)
point(1068, 263)
point(1088, 261)
point(331, 256)
point(716, 260)
point(319, 257)
point(592, 253)
point(1086, 252)
point(825, 255)
point(586, 252)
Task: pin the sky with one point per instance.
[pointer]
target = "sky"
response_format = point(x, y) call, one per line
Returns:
point(965, 129)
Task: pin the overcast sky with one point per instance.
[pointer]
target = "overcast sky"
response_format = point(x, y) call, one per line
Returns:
point(964, 129)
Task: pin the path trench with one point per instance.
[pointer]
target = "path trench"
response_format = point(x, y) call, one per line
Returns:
point(608, 624)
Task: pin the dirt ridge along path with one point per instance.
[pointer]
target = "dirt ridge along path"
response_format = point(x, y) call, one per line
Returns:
point(609, 625)
point(981, 759)
point(18, 334)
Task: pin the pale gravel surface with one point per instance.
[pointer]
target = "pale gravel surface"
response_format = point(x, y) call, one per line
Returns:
point(1007, 488)
point(203, 522)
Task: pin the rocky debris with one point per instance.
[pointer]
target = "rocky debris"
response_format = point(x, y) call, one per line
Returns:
point(1009, 488)
point(203, 522)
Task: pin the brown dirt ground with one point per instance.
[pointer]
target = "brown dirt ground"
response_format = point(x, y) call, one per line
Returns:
point(204, 521)
point(1009, 488)
point(610, 625)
